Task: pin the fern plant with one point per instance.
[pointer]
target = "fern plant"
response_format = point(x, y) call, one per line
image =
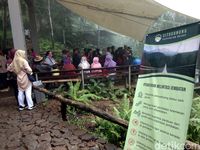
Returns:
point(124, 109)
point(194, 124)
point(95, 86)
point(112, 132)
point(60, 90)
point(98, 88)
point(77, 94)
point(107, 90)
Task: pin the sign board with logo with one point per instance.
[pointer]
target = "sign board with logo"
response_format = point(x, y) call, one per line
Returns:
point(164, 91)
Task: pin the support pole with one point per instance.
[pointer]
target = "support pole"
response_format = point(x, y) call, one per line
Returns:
point(82, 79)
point(129, 77)
point(16, 24)
point(36, 77)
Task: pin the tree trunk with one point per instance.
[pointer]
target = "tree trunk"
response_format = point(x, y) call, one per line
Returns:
point(33, 27)
point(86, 107)
point(5, 20)
point(51, 25)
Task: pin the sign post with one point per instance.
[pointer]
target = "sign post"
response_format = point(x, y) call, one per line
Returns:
point(164, 91)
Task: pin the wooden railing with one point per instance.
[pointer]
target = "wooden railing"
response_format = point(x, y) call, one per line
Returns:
point(126, 73)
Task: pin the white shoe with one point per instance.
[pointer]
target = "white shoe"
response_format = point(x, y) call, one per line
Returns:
point(30, 108)
point(21, 108)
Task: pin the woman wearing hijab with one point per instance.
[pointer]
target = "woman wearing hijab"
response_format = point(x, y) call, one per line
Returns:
point(21, 67)
point(96, 64)
point(69, 68)
point(109, 63)
point(84, 64)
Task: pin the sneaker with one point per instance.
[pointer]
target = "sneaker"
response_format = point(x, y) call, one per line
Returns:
point(21, 108)
point(30, 108)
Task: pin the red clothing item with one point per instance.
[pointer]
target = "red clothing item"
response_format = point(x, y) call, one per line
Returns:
point(69, 68)
point(33, 54)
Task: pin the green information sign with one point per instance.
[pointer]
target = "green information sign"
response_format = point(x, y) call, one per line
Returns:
point(163, 97)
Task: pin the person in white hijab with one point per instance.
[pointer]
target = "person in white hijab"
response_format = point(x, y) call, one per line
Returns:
point(84, 64)
point(20, 67)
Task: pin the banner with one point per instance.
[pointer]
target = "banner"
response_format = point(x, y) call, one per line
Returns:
point(164, 91)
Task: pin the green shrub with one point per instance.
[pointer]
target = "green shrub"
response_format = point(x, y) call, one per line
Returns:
point(107, 90)
point(46, 45)
point(113, 132)
point(194, 125)
point(75, 92)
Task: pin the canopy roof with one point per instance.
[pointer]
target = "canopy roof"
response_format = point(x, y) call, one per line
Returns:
point(128, 17)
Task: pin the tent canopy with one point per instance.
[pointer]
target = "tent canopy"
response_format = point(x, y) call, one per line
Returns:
point(128, 17)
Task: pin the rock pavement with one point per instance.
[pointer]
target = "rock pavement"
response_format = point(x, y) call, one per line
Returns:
point(43, 129)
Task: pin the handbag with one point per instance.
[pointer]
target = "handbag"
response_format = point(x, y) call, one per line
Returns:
point(31, 77)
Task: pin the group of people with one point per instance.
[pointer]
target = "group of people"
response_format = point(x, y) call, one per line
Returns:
point(96, 65)
point(94, 59)
point(90, 60)
point(71, 63)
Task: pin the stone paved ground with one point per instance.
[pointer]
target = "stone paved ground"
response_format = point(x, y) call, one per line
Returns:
point(42, 129)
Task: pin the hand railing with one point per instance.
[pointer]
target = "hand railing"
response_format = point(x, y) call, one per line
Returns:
point(126, 72)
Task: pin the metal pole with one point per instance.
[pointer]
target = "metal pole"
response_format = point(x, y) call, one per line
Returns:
point(82, 79)
point(51, 24)
point(64, 40)
point(129, 77)
point(36, 77)
point(98, 37)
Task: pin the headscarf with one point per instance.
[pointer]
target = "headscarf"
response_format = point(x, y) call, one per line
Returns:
point(12, 53)
point(67, 60)
point(84, 63)
point(18, 61)
point(96, 63)
point(109, 61)
point(108, 53)
point(68, 66)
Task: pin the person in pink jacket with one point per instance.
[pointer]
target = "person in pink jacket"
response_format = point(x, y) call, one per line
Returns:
point(96, 64)
point(20, 67)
